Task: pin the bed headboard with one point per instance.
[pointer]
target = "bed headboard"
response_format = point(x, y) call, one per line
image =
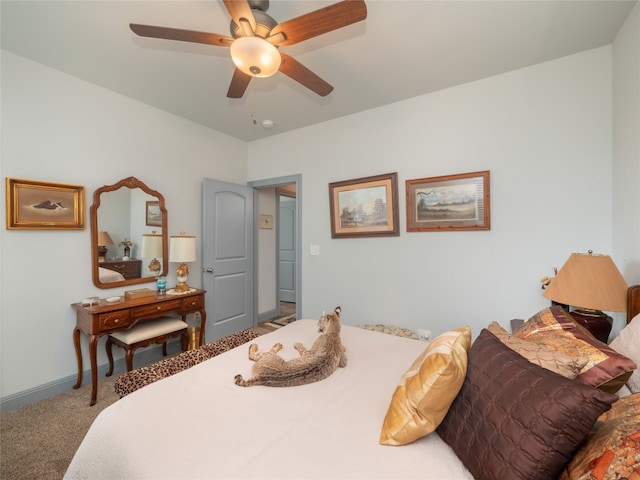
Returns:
point(633, 302)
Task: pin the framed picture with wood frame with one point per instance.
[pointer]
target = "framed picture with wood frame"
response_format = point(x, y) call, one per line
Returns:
point(449, 202)
point(365, 207)
point(153, 215)
point(35, 205)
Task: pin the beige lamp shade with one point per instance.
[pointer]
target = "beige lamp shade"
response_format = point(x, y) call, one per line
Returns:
point(104, 238)
point(151, 245)
point(589, 281)
point(182, 248)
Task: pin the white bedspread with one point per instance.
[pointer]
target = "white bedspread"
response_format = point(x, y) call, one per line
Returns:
point(199, 424)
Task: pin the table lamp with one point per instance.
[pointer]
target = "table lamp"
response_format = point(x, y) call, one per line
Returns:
point(152, 248)
point(182, 249)
point(104, 239)
point(590, 283)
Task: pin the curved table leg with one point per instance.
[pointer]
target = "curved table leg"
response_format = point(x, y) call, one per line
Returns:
point(76, 343)
point(93, 347)
point(203, 321)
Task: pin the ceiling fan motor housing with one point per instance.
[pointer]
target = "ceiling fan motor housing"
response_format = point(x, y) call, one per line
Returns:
point(264, 22)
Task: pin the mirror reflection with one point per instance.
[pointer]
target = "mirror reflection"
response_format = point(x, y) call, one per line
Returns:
point(128, 234)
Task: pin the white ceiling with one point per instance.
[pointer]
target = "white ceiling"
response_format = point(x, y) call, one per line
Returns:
point(403, 49)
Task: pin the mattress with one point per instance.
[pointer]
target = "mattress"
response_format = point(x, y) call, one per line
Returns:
point(199, 424)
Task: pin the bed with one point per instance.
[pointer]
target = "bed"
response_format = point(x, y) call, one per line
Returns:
point(109, 276)
point(199, 424)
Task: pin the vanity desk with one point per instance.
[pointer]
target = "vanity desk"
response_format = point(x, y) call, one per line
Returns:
point(104, 318)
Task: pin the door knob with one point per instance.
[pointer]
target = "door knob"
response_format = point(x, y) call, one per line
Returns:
point(207, 270)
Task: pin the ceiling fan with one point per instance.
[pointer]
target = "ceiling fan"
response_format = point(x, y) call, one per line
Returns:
point(255, 38)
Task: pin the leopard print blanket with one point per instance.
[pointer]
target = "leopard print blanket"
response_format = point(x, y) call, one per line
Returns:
point(135, 379)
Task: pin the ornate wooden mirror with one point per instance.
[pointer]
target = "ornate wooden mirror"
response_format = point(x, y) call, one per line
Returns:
point(129, 243)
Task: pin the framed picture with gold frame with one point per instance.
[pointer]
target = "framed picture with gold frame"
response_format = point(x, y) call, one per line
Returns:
point(36, 205)
point(449, 202)
point(365, 207)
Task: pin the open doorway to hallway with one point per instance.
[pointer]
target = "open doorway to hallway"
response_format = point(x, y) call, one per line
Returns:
point(277, 248)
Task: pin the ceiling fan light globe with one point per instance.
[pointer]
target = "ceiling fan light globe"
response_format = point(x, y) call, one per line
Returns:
point(255, 56)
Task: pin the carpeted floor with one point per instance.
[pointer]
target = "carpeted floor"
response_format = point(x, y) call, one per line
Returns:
point(38, 441)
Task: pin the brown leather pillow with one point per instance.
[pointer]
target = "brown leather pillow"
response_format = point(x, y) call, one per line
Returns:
point(514, 419)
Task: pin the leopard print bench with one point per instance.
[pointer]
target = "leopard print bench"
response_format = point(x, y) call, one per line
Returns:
point(135, 379)
point(391, 330)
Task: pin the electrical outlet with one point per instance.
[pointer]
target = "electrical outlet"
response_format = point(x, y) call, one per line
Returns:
point(424, 335)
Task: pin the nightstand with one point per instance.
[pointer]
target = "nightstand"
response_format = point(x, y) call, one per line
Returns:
point(128, 268)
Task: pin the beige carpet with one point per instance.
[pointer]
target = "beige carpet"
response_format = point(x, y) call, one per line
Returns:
point(38, 441)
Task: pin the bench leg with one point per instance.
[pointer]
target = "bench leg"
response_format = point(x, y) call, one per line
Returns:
point(108, 347)
point(164, 348)
point(129, 359)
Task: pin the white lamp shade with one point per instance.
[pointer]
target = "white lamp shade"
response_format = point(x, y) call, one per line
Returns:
point(255, 56)
point(182, 248)
point(151, 245)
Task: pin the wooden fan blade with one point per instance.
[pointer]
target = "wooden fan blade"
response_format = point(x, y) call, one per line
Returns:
point(321, 21)
point(181, 35)
point(239, 84)
point(241, 13)
point(301, 74)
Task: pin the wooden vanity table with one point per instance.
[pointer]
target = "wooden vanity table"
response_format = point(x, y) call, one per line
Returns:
point(105, 318)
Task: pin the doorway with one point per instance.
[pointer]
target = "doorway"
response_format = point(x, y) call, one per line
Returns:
point(278, 252)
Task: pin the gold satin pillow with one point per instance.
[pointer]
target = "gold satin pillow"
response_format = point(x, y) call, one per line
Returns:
point(427, 389)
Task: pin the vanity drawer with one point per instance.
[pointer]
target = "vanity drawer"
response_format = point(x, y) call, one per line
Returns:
point(156, 310)
point(114, 320)
point(193, 303)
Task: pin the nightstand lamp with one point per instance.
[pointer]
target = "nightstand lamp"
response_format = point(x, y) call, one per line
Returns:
point(152, 248)
point(590, 283)
point(182, 249)
point(104, 239)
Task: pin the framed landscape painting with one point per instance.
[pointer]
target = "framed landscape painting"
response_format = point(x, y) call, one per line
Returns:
point(449, 202)
point(34, 205)
point(153, 215)
point(365, 207)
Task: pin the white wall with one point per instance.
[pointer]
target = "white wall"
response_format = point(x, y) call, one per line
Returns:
point(626, 147)
point(58, 128)
point(544, 132)
point(266, 245)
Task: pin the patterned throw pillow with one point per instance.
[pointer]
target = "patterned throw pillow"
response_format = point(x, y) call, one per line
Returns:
point(426, 390)
point(555, 329)
point(612, 451)
point(515, 420)
point(628, 343)
point(548, 358)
